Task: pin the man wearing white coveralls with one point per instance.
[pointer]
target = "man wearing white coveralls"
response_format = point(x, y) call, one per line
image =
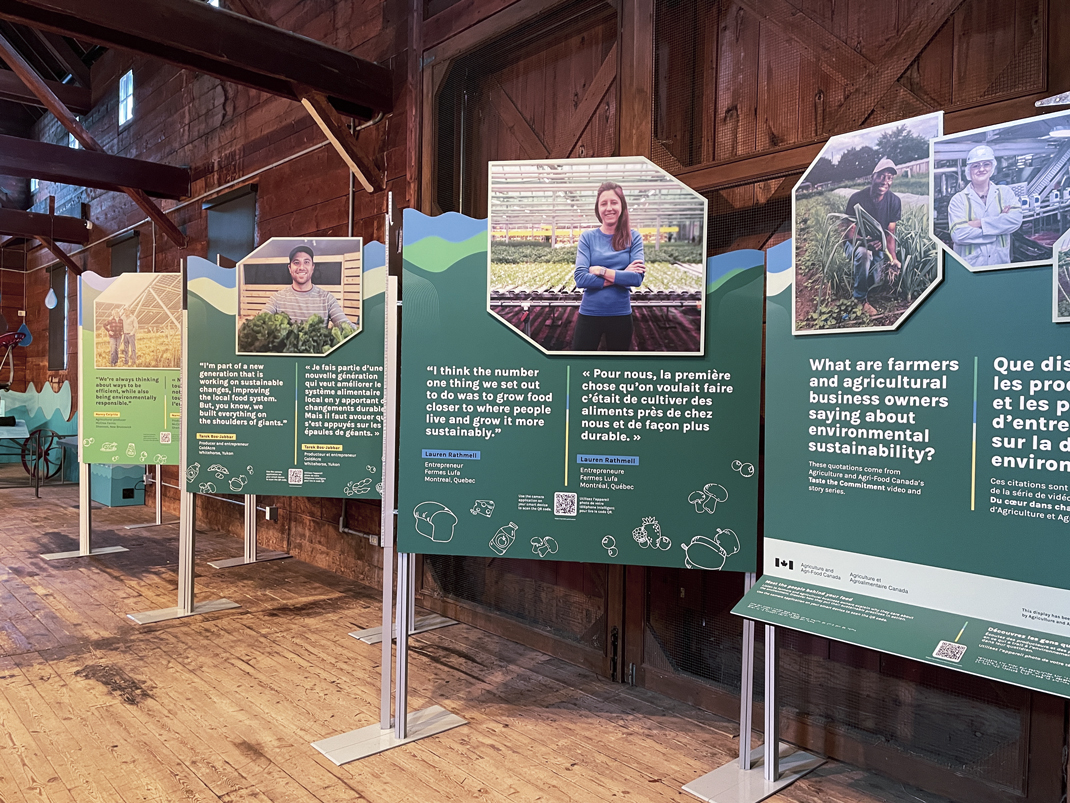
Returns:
point(983, 216)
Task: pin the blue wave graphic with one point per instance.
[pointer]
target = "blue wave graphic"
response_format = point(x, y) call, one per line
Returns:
point(198, 268)
point(451, 226)
point(723, 264)
point(374, 255)
point(778, 258)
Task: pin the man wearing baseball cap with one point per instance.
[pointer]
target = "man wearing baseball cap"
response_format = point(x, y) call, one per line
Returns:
point(983, 216)
point(873, 257)
point(302, 299)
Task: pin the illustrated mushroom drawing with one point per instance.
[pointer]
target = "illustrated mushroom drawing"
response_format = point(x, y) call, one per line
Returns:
point(705, 501)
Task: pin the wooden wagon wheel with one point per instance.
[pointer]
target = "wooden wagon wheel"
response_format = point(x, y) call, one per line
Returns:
point(42, 454)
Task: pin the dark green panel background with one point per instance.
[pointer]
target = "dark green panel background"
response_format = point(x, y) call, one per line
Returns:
point(446, 323)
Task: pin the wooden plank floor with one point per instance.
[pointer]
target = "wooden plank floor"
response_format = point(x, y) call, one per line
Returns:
point(223, 707)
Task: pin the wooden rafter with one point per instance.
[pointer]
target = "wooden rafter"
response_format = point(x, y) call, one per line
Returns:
point(70, 122)
point(345, 142)
point(59, 228)
point(75, 98)
point(28, 158)
point(61, 255)
point(65, 55)
point(217, 42)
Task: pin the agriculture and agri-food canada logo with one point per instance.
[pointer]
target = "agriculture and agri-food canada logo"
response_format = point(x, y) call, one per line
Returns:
point(780, 563)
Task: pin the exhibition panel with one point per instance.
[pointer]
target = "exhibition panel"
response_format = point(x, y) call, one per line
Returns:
point(520, 438)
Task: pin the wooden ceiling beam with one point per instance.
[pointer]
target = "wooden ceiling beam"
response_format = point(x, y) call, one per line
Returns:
point(64, 54)
point(70, 122)
point(61, 255)
point(60, 228)
point(28, 158)
point(220, 43)
point(345, 142)
point(75, 98)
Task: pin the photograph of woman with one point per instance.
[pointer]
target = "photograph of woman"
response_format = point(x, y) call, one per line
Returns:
point(629, 280)
point(609, 262)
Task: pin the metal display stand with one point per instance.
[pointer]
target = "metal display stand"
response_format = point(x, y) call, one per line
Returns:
point(406, 726)
point(85, 522)
point(157, 481)
point(187, 534)
point(765, 770)
point(252, 555)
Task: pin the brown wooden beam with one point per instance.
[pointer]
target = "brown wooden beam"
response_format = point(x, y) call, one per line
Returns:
point(65, 55)
point(75, 98)
point(351, 150)
point(70, 122)
point(531, 144)
point(61, 255)
point(60, 228)
point(217, 42)
point(461, 15)
point(635, 77)
point(28, 158)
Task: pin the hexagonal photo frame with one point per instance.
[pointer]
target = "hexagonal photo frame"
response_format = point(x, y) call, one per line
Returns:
point(563, 275)
point(1001, 194)
point(863, 257)
point(285, 309)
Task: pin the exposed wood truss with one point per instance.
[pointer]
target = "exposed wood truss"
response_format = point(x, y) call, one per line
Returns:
point(58, 228)
point(70, 122)
point(75, 98)
point(28, 158)
point(343, 140)
point(217, 42)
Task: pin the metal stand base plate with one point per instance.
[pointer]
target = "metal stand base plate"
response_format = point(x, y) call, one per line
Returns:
point(368, 741)
point(150, 524)
point(730, 784)
point(163, 614)
point(104, 550)
point(226, 563)
point(374, 635)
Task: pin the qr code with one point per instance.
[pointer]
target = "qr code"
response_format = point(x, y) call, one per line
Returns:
point(564, 504)
point(296, 476)
point(165, 437)
point(949, 651)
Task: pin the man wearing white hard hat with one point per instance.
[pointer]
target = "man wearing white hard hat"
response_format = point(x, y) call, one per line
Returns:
point(873, 257)
point(983, 216)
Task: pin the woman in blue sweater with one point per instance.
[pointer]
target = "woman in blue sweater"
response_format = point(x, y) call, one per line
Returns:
point(609, 261)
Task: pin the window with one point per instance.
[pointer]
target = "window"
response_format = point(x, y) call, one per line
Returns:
point(57, 320)
point(126, 97)
point(35, 185)
point(124, 253)
point(72, 142)
point(213, 3)
point(232, 224)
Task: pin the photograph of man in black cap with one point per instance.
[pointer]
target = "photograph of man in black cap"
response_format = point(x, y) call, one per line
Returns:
point(303, 299)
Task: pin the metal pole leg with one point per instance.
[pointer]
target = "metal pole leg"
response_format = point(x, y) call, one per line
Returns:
point(772, 718)
point(187, 545)
point(250, 528)
point(746, 685)
point(159, 494)
point(401, 681)
point(85, 509)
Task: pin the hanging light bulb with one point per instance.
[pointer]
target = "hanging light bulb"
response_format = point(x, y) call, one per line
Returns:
point(50, 299)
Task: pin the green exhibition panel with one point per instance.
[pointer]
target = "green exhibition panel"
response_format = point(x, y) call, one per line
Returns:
point(286, 388)
point(917, 470)
point(516, 441)
point(129, 330)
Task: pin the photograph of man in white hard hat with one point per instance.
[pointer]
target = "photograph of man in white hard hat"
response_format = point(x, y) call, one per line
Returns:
point(1000, 195)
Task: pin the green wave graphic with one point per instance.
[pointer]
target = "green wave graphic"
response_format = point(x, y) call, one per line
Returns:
point(434, 255)
point(224, 299)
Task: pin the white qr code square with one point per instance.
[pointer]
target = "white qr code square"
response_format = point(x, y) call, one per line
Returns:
point(165, 437)
point(564, 504)
point(296, 476)
point(949, 651)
